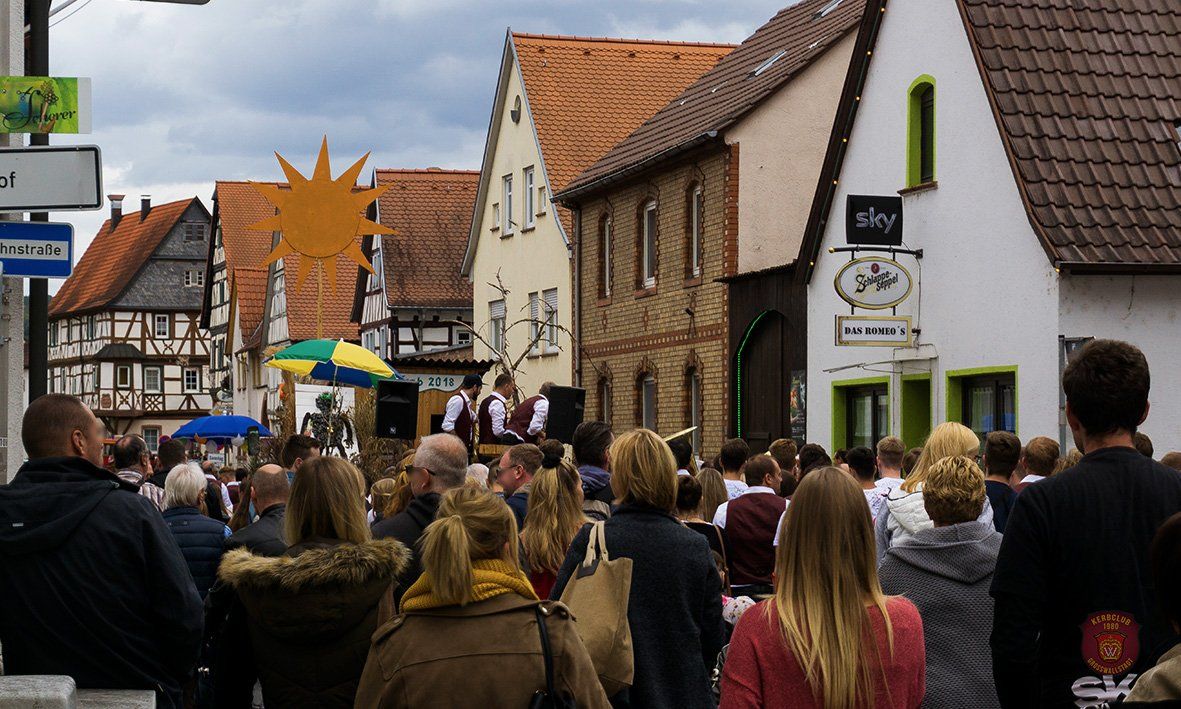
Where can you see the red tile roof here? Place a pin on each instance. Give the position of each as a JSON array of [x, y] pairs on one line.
[[1087, 97], [729, 90], [587, 94], [250, 285], [432, 212], [239, 206], [113, 258], [335, 308]]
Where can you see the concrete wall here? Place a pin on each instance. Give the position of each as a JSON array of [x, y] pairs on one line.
[[528, 261], [1143, 310], [985, 294], [783, 143]]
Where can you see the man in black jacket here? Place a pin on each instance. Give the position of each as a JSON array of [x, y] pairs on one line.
[[440, 463], [268, 491], [94, 586]]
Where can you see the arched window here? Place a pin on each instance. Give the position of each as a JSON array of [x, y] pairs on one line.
[[694, 230], [604, 390], [605, 256], [646, 400], [647, 257], [920, 132]]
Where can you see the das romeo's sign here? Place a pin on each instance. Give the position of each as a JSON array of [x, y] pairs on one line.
[[873, 282]]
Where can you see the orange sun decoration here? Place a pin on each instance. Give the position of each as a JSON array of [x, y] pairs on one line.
[[321, 217]]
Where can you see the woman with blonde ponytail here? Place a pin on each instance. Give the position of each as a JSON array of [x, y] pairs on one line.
[[472, 613], [828, 637], [554, 518]]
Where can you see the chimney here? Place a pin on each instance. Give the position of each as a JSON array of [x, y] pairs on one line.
[[145, 206], [116, 209]]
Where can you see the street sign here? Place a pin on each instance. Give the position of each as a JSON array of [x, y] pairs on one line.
[[57, 178], [36, 249]]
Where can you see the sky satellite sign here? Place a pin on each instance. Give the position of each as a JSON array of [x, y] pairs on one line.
[[56, 178]]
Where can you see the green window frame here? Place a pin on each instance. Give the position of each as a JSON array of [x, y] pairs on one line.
[[920, 131], [916, 408], [958, 379], [841, 391]]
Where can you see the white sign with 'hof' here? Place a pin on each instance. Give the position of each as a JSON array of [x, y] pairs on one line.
[[873, 282], [873, 331], [57, 178]]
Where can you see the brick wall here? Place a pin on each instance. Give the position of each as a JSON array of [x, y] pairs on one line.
[[635, 331]]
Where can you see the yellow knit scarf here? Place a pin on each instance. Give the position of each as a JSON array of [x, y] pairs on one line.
[[491, 578]]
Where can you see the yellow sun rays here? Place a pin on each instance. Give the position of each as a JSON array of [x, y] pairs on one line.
[[321, 217]]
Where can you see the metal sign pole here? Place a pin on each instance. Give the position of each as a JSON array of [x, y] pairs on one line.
[[12, 290], [38, 64]]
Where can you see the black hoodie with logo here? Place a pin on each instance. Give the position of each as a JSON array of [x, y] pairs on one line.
[[93, 583]]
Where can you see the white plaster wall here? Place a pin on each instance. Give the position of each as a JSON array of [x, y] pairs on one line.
[[781, 147], [1143, 310], [988, 294], [530, 261]]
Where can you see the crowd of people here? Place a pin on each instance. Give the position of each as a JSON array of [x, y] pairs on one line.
[[620, 570]]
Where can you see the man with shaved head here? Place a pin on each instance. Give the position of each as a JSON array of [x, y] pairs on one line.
[[268, 493], [93, 583]]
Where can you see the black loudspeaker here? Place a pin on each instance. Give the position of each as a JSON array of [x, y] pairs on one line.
[[397, 410], [565, 412]]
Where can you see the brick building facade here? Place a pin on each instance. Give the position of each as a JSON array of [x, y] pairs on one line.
[[656, 353]]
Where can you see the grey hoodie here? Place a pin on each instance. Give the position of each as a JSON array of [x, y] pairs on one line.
[[946, 573]]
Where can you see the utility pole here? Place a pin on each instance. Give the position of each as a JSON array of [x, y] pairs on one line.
[[38, 65], [12, 290]]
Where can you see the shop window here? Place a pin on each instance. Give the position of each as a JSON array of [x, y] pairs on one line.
[[920, 132], [861, 412], [984, 400]]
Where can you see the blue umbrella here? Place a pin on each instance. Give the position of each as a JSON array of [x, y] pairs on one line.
[[220, 427]]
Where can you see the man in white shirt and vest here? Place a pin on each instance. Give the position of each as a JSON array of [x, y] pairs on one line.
[[527, 421], [460, 416], [493, 416]]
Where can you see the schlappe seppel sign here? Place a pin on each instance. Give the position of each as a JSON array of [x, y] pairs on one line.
[[873, 282]]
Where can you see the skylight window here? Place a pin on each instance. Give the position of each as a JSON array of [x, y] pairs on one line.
[[767, 64], [826, 9]]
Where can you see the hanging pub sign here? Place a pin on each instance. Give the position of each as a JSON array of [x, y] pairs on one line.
[[873, 221], [873, 282], [873, 331]]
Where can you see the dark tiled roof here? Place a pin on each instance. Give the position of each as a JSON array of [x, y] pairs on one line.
[[432, 212], [730, 89], [1087, 97], [119, 351], [455, 357], [113, 258]]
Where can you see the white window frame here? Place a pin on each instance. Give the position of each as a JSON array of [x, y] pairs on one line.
[[606, 246], [534, 322], [373, 283], [506, 202], [151, 436], [549, 301], [184, 378], [648, 407], [648, 244], [542, 200], [696, 236], [123, 376], [528, 191], [161, 319], [194, 277], [496, 319], [159, 388], [463, 336]]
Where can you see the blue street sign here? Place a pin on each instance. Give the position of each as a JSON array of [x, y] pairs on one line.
[[37, 249]]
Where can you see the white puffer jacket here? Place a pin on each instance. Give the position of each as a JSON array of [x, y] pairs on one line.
[[904, 514]]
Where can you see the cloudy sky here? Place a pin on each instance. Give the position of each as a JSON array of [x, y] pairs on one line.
[[185, 95]]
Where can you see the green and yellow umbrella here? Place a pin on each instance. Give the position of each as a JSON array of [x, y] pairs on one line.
[[334, 361]]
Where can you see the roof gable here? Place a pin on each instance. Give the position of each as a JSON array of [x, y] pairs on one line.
[[583, 95], [113, 259], [239, 207], [776, 53], [250, 291]]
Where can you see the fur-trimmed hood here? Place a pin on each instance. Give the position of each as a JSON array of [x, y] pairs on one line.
[[318, 591], [316, 565]]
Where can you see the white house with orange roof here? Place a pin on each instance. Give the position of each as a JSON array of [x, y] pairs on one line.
[[560, 103]]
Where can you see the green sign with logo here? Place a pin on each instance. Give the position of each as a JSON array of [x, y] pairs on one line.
[[44, 104]]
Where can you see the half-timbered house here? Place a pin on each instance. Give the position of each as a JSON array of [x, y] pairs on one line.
[[417, 295], [124, 329]]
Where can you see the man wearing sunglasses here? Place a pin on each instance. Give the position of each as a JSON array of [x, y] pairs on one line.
[[440, 464]]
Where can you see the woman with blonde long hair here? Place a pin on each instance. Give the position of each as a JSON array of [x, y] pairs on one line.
[[904, 512], [829, 637], [311, 612], [553, 519], [674, 607], [473, 593], [713, 492]]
